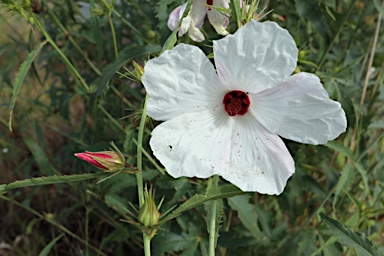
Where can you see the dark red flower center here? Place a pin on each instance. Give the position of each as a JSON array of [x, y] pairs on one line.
[[236, 103], [209, 2]]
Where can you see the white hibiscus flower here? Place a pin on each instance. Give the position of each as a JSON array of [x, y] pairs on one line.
[[228, 123], [195, 19]]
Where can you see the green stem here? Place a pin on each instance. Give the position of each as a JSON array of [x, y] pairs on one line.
[[66, 60], [212, 224], [111, 9], [147, 245], [139, 174], [77, 47], [113, 35], [146, 154]]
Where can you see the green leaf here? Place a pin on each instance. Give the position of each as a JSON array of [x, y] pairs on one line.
[[346, 179], [47, 181], [198, 199], [310, 10], [48, 248], [173, 242], [124, 56], [347, 152], [337, 146], [349, 238], [40, 157], [378, 7], [247, 214], [20, 78], [170, 42], [376, 125]]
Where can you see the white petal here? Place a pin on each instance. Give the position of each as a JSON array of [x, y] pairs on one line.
[[257, 57], [193, 144], [300, 109], [211, 142], [198, 12], [185, 24], [259, 159], [181, 80], [175, 17], [218, 19], [195, 33]]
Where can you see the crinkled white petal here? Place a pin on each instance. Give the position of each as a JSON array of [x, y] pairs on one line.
[[257, 57], [300, 109], [193, 144], [218, 19], [259, 160], [237, 148], [175, 17], [181, 80]]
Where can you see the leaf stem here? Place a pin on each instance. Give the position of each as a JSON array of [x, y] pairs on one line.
[[212, 224]]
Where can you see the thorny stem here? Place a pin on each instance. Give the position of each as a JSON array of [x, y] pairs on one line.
[[212, 224]]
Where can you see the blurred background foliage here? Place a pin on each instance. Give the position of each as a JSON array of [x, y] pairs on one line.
[[55, 116]]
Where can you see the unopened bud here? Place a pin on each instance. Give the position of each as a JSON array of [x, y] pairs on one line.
[[149, 215], [109, 161], [139, 70]]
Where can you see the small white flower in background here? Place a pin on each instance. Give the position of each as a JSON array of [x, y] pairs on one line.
[[5, 150], [228, 123], [195, 19]]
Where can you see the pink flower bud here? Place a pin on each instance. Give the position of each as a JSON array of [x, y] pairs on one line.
[[109, 161]]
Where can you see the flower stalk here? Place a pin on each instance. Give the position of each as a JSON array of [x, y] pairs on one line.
[[212, 224]]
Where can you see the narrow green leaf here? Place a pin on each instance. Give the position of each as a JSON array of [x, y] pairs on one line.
[[347, 152], [124, 56], [247, 214], [310, 10], [40, 157], [20, 78], [378, 7], [47, 181], [198, 199], [376, 125], [337, 146], [349, 238], [48, 248], [345, 180], [170, 42]]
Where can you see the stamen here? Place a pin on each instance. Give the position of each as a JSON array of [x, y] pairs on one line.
[[236, 103]]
